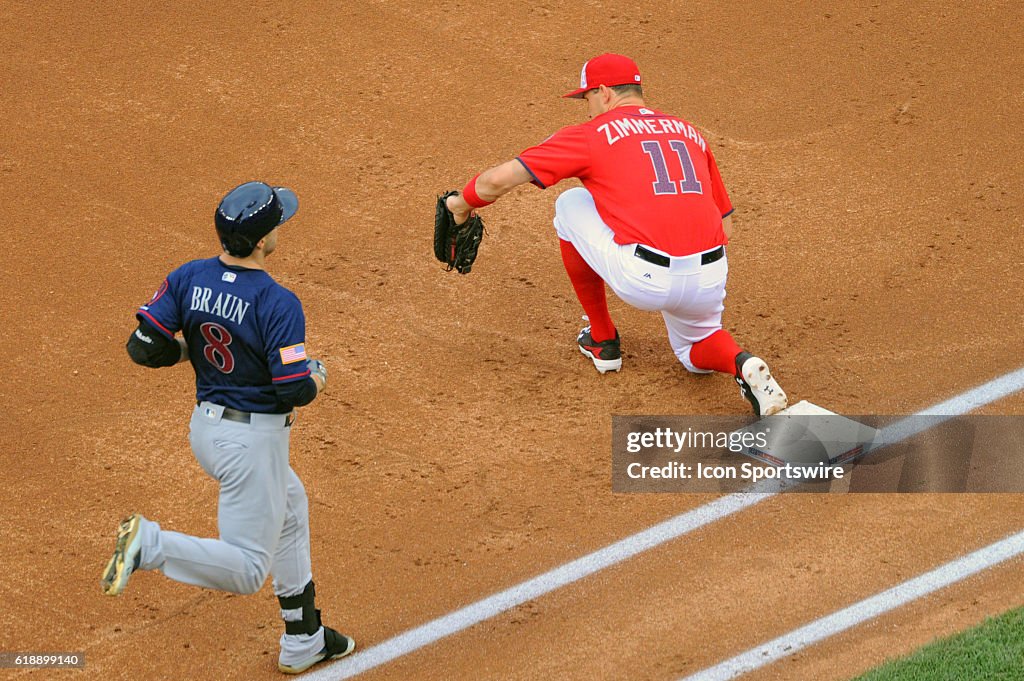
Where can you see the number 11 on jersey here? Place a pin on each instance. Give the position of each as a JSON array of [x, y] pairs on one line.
[[662, 183]]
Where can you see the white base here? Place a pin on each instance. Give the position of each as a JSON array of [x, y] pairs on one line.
[[806, 433]]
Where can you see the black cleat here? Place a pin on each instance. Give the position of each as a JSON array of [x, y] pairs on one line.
[[606, 355], [757, 385], [335, 646]]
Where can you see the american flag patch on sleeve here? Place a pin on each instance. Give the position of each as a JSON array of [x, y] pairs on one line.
[[293, 353]]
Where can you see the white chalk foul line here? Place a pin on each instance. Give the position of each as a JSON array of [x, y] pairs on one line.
[[987, 393], [503, 601], [869, 608], [673, 528]]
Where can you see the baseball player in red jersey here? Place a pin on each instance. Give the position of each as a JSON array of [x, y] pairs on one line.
[[651, 221]]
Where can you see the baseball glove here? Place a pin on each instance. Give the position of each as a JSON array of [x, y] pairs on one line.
[[456, 245]]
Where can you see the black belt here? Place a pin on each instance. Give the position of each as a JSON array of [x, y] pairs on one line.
[[235, 415], [246, 417], [664, 261]]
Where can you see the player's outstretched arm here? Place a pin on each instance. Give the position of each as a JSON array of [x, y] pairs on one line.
[[488, 186]]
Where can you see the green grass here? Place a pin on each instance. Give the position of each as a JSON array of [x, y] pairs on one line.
[[992, 651]]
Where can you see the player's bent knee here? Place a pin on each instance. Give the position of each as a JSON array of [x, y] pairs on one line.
[[254, 578], [683, 355], [572, 199], [251, 583], [568, 210]]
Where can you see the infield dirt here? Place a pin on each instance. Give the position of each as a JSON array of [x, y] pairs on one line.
[[873, 156]]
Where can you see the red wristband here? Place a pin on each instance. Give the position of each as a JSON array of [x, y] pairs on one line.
[[470, 196]]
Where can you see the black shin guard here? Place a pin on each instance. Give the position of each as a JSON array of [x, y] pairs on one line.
[[310, 622]]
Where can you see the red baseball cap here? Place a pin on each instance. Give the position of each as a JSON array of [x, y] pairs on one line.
[[607, 69]]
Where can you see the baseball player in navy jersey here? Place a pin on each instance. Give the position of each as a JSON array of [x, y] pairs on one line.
[[245, 336], [652, 221]]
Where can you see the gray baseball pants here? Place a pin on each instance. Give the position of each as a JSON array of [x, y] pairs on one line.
[[262, 517]]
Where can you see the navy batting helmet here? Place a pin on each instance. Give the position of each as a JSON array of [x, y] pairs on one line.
[[251, 211]]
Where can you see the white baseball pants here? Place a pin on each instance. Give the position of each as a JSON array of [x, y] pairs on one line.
[[690, 296]]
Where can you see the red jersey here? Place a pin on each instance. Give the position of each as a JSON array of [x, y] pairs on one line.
[[652, 176]]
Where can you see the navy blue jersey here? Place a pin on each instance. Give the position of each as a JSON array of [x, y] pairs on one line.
[[245, 332]]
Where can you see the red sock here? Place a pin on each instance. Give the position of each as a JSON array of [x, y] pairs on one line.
[[717, 352], [589, 287]]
